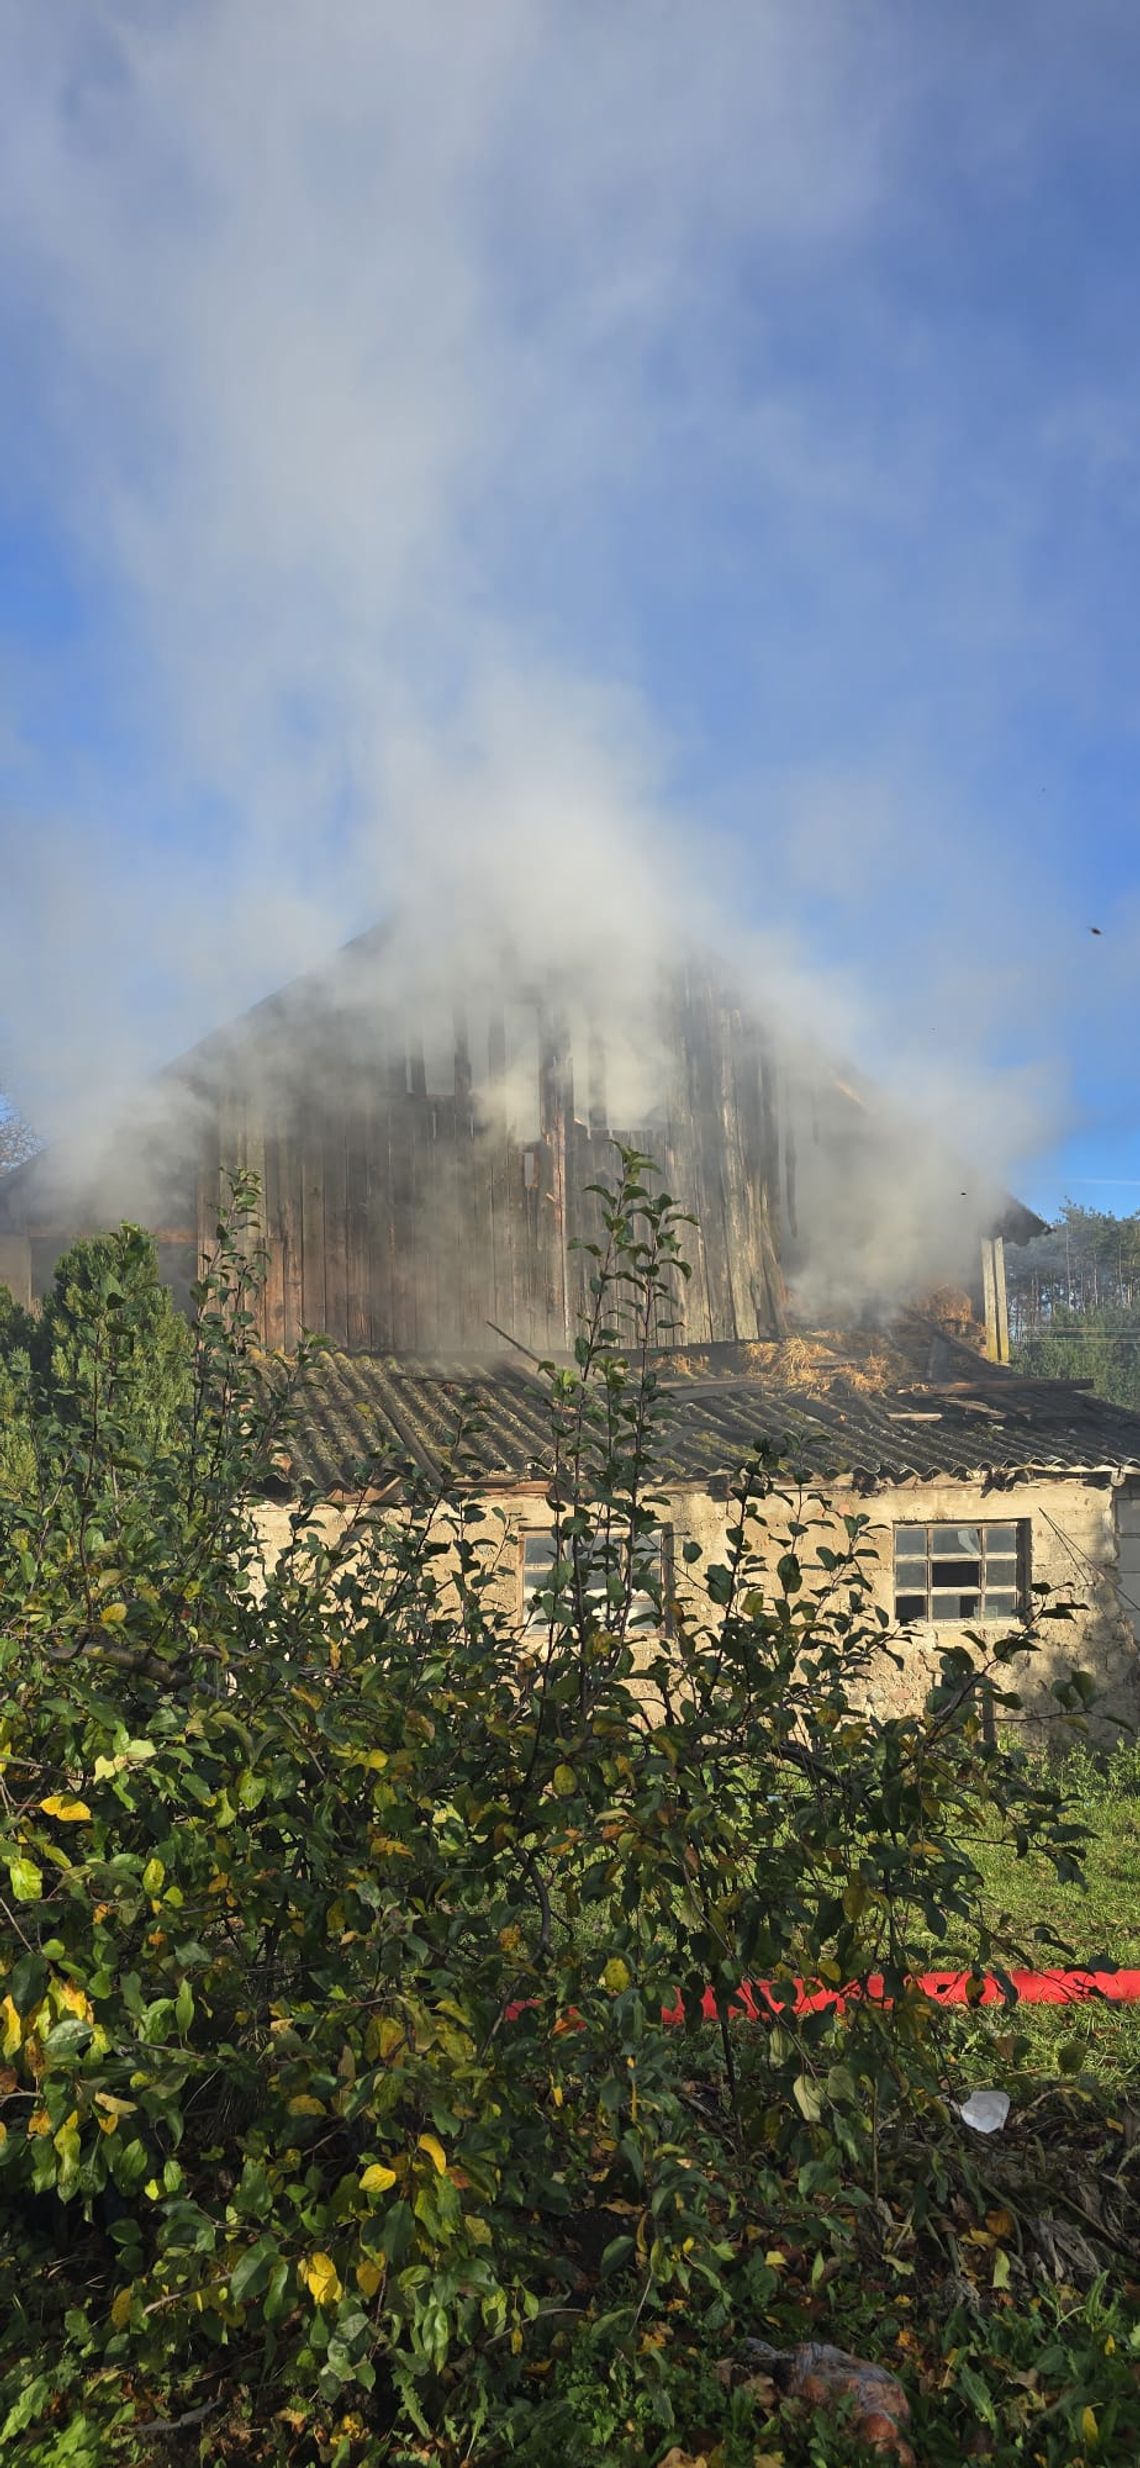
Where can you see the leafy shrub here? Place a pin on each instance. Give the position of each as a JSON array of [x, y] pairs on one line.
[[340, 1913], [96, 1380]]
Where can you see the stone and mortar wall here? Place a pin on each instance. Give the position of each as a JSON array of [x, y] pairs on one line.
[[1085, 1544]]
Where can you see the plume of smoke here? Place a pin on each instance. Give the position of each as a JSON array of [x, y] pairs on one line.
[[322, 333]]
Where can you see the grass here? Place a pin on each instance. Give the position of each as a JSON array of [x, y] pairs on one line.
[[1097, 1922], [1102, 1917]]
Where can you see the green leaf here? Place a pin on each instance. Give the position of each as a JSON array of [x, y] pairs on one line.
[[808, 2098], [251, 2274], [27, 1880]]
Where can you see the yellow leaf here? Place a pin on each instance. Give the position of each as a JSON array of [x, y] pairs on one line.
[[435, 2152], [368, 2276], [121, 2309], [1001, 2268], [321, 2279], [13, 2027], [115, 2108], [68, 1812], [306, 2106], [377, 2179], [615, 1977], [565, 1781], [376, 1760], [39, 2122], [113, 1615], [73, 2000], [1089, 2427]]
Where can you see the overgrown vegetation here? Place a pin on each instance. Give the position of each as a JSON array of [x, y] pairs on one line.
[[94, 1383], [339, 2119]]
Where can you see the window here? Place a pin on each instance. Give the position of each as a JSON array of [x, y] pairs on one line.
[[961, 1572], [538, 1561]]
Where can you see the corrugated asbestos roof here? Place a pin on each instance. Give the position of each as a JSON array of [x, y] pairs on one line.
[[989, 1425]]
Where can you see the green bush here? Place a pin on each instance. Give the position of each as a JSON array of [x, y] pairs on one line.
[[339, 1914], [96, 1380]]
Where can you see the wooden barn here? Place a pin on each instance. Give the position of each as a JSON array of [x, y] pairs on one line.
[[426, 1166]]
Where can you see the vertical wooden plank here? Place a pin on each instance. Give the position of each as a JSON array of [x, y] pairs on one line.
[[357, 1149], [708, 1199], [207, 1185], [598, 1115], [16, 1267], [1001, 1299], [290, 1202], [378, 1132], [686, 1173], [555, 1104], [989, 1300], [311, 1129], [253, 1162], [438, 1231], [335, 1177], [465, 1205], [273, 1300], [404, 1113]]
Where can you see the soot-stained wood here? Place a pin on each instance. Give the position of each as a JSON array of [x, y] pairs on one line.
[[404, 1212]]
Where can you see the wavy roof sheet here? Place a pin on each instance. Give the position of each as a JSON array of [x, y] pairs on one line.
[[989, 1426]]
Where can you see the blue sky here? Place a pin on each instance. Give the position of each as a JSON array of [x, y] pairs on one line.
[[684, 457]]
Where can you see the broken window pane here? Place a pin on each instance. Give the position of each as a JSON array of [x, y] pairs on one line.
[[910, 1607], [956, 1572], [956, 1541]]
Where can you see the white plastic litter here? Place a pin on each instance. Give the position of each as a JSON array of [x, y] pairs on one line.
[[986, 2111]]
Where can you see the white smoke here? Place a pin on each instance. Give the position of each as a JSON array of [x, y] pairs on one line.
[[338, 339]]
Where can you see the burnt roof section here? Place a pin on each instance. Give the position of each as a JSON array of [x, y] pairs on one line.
[[971, 1422]]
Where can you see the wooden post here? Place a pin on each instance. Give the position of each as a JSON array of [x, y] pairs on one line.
[[557, 1102], [1001, 1300], [995, 1299]]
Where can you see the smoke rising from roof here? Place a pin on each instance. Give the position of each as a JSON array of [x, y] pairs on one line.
[[334, 333]]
